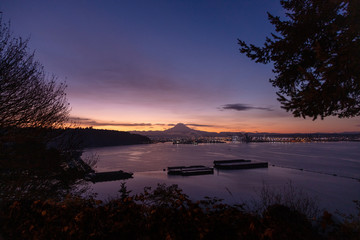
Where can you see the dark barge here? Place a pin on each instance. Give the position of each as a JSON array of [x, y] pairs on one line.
[[190, 170], [239, 164], [108, 176]]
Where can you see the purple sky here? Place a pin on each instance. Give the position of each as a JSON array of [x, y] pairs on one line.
[[144, 65]]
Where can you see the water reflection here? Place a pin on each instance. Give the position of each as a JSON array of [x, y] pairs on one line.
[[301, 163], [340, 158], [238, 186]]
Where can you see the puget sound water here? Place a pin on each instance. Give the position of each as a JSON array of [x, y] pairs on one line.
[[327, 171]]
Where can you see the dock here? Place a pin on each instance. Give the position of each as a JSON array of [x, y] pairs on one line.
[[190, 170], [108, 176], [239, 164]]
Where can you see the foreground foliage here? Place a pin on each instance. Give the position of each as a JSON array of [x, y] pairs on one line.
[[162, 213]]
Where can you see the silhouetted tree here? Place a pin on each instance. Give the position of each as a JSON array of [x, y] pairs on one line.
[[28, 97], [33, 110], [316, 57]]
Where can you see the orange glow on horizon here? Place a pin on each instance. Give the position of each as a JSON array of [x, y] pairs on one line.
[[286, 127]]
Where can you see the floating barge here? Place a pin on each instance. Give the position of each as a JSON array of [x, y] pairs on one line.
[[190, 170], [108, 176], [239, 164]]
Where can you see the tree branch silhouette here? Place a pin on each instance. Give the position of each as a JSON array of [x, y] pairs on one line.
[[28, 97], [316, 57]]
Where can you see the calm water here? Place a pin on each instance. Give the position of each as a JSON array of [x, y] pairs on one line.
[[328, 171]]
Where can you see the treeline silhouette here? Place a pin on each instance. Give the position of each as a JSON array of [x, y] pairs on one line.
[[89, 137]]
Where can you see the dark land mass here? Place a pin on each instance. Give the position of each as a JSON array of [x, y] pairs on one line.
[[89, 137], [102, 138], [46, 163]]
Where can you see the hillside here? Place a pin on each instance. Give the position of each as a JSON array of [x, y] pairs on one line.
[[88, 137]]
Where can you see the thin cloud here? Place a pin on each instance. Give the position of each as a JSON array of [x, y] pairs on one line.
[[77, 119], [160, 124], [243, 107], [91, 122], [198, 125], [192, 125]]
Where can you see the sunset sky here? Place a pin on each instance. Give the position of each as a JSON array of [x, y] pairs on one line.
[[146, 65]]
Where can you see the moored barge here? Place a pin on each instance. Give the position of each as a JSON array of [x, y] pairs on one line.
[[239, 164], [190, 170]]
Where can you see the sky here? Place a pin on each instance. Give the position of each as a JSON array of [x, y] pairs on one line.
[[147, 65]]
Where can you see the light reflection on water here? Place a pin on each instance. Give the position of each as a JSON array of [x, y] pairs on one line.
[[340, 158], [320, 162]]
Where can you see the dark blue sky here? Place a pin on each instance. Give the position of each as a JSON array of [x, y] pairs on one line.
[[147, 64]]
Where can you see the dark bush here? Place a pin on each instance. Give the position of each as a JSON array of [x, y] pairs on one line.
[[162, 213]]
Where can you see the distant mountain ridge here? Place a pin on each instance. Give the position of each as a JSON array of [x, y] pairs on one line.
[[180, 130]]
